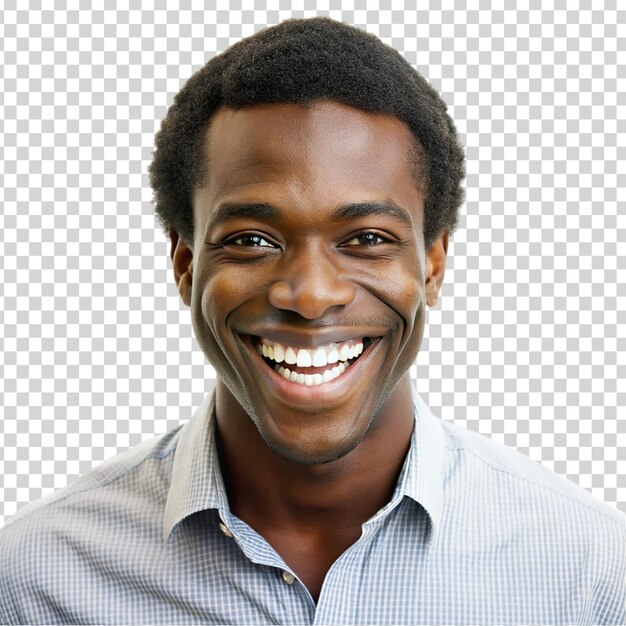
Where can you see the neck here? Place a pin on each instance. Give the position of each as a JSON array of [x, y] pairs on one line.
[[267, 490]]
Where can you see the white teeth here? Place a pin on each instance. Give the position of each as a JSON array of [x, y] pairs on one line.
[[332, 356], [355, 350], [322, 356], [279, 353], [311, 380], [290, 356], [319, 358], [304, 358]]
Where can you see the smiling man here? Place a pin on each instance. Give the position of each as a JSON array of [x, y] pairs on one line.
[[309, 179]]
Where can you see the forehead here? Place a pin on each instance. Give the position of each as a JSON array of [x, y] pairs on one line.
[[315, 156]]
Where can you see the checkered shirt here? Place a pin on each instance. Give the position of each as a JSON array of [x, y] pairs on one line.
[[474, 533]]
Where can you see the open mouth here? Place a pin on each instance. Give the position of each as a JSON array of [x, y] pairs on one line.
[[315, 366]]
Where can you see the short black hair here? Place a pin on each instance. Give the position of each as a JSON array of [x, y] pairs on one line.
[[301, 61]]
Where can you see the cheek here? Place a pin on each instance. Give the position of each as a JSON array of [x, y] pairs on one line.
[[402, 290], [212, 301], [411, 343], [220, 294], [414, 331], [406, 295], [223, 296], [216, 301], [413, 296]]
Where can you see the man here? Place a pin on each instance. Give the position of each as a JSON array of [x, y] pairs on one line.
[[309, 181]]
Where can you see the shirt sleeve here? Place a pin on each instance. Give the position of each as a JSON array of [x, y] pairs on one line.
[[607, 601], [7, 610]]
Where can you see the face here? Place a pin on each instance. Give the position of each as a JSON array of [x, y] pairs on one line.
[[309, 278]]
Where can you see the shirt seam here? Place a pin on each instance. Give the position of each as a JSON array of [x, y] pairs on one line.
[[91, 488], [528, 481]]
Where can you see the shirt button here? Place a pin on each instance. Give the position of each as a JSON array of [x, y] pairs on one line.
[[225, 530], [289, 578]]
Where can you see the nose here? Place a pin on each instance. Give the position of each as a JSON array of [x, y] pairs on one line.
[[311, 287]]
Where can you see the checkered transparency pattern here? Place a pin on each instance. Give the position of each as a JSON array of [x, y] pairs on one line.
[[527, 344]]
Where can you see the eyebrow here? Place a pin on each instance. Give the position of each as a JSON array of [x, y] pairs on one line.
[[365, 209], [345, 212], [232, 211]]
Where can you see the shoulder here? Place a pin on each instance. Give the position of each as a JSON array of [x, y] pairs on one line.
[[43, 537], [122, 470], [552, 530], [497, 465]]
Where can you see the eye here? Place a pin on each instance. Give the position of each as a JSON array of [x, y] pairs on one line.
[[366, 239], [251, 240]]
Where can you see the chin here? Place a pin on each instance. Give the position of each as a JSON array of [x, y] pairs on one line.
[[315, 438], [318, 454]]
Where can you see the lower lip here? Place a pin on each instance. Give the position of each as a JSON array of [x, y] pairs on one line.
[[323, 394]]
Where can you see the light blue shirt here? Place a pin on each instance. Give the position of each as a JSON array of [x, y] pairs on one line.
[[475, 533]]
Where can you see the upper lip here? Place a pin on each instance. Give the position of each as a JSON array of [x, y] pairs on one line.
[[316, 337]]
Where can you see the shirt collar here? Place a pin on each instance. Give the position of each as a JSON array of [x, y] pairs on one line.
[[421, 478], [197, 483]]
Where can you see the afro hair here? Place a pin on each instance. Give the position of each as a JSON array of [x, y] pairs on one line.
[[301, 61]]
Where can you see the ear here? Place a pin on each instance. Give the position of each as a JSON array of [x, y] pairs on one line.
[[435, 268], [182, 262]]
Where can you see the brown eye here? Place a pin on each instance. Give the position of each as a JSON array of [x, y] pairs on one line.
[[366, 239], [251, 241]]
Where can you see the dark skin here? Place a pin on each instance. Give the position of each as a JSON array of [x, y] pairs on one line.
[[308, 232]]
